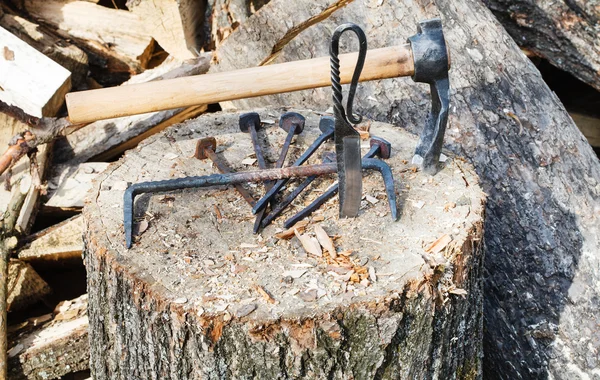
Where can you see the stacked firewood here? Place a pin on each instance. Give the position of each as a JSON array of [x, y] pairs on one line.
[[51, 47]]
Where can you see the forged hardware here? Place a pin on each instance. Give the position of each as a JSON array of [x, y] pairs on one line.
[[231, 179], [432, 63], [326, 125], [379, 148], [279, 207], [205, 148], [293, 124], [250, 123], [347, 139]]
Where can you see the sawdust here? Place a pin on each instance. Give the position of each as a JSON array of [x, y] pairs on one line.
[[199, 244]]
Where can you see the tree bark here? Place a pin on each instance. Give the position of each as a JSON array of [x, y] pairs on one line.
[[210, 300], [543, 179], [563, 32]]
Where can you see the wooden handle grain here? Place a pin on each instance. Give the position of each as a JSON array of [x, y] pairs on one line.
[[88, 106]]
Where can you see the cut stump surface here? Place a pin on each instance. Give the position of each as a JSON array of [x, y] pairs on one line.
[[200, 296]]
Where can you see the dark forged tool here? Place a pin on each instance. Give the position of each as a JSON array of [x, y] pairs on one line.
[[205, 148], [232, 179], [347, 139], [432, 63], [326, 125], [379, 148], [293, 124], [281, 206]]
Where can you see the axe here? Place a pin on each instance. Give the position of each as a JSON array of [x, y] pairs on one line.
[[425, 58]]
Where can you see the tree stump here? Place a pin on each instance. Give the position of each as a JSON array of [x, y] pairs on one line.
[[542, 229], [200, 296]]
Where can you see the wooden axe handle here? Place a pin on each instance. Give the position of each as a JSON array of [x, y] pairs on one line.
[[88, 106]]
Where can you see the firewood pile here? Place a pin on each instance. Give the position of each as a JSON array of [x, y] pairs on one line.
[[51, 47]]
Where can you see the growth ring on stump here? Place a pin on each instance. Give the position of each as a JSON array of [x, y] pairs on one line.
[[200, 297]]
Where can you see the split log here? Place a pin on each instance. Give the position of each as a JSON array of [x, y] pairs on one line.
[[20, 203], [67, 185], [25, 286], [177, 25], [224, 16], [205, 298], [563, 32], [115, 35], [588, 125], [542, 177], [57, 49], [51, 350], [107, 139], [30, 80], [56, 245]]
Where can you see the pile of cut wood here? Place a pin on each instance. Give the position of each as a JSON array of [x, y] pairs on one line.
[[51, 47]]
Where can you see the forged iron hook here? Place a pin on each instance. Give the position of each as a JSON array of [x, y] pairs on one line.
[[334, 51]]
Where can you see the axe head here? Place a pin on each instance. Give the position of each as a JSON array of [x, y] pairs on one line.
[[432, 63]]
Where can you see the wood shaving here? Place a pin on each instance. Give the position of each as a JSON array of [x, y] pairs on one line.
[[264, 294], [310, 244], [248, 161], [439, 244], [325, 241], [289, 233]]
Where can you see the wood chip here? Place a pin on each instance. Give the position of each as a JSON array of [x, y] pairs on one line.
[[310, 244], [142, 227], [294, 273], [371, 200], [302, 265], [264, 294], [248, 161], [245, 310], [246, 245], [372, 275], [449, 206], [418, 204], [325, 241], [171, 156], [180, 300], [439, 244], [309, 295], [289, 233]]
